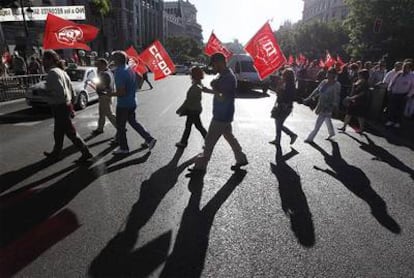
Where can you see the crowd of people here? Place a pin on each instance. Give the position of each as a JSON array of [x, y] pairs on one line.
[[347, 87]]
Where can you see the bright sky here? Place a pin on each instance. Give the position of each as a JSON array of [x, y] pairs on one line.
[[241, 19]]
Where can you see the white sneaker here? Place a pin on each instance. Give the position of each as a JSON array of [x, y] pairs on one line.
[[152, 144], [389, 123], [397, 125], [120, 151]]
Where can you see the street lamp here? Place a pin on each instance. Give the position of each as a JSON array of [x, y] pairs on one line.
[[26, 29]]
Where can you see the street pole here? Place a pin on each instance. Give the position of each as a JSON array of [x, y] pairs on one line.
[[26, 30]]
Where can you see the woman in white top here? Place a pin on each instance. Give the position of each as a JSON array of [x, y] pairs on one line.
[[328, 93]]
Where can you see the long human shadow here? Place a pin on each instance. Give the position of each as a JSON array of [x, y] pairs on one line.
[[119, 258], [10, 179], [189, 252], [25, 115], [393, 136], [22, 215], [381, 154], [355, 180], [294, 202]]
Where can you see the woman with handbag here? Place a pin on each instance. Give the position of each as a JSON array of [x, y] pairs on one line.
[[357, 103], [328, 93], [283, 106], [192, 107]]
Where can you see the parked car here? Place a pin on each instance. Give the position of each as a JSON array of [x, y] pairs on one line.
[[246, 75], [181, 69], [83, 82]]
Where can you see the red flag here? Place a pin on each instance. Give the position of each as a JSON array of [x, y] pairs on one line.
[[61, 33], [135, 62], [302, 59], [290, 60], [321, 63], [214, 45], [265, 51], [158, 60], [329, 61]]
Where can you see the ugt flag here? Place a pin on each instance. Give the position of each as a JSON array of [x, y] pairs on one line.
[[135, 62], [266, 53], [329, 60], [158, 60], [214, 45], [61, 33]]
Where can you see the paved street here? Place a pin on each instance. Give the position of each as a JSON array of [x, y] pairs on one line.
[[342, 208]]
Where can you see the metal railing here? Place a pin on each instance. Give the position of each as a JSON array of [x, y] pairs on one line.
[[14, 87]]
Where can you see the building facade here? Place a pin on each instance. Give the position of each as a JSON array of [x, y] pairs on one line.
[[324, 10], [181, 20]]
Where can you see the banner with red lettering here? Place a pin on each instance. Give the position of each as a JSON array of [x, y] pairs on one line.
[[135, 62], [214, 45], [61, 33], [158, 60], [265, 51]]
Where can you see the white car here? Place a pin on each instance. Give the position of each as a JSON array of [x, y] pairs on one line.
[[246, 75], [83, 82]]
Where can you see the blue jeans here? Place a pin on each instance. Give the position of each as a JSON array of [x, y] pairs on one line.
[[124, 115]]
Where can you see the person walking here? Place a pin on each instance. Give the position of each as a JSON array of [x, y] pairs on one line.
[[126, 86], [105, 87], [145, 78], [59, 88], [19, 64], [192, 107], [399, 89], [328, 93], [357, 103], [284, 105], [224, 90]]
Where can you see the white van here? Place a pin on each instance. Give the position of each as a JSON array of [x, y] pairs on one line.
[[246, 75]]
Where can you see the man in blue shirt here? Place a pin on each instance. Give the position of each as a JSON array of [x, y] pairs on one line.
[[126, 85], [224, 90]]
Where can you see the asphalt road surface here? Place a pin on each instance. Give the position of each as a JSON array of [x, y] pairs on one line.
[[341, 208]]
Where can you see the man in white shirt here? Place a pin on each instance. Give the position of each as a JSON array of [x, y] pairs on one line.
[[401, 86], [391, 74]]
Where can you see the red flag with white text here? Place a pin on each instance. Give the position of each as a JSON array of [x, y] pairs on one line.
[[214, 45], [158, 60], [265, 51], [135, 62], [61, 33]]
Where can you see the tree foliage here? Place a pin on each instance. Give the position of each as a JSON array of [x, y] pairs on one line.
[[394, 37], [101, 7], [312, 39], [183, 49]]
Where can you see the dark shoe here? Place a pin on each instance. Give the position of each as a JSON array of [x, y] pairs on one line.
[[52, 155], [97, 132], [181, 145], [274, 142], [342, 128], [237, 166], [85, 157], [293, 139]]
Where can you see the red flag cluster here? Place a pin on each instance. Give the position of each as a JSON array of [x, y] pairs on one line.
[[263, 48], [61, 33]]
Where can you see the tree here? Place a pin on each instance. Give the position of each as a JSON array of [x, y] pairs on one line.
[[183, 49], [380, 27], [101, 8], [312, 39]]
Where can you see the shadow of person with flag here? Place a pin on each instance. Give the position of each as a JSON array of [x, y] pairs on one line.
[[355, 180], [294, 202]]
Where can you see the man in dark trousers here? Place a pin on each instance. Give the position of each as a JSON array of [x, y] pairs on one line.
[[224, 90], [60, 91], [126, 86]]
